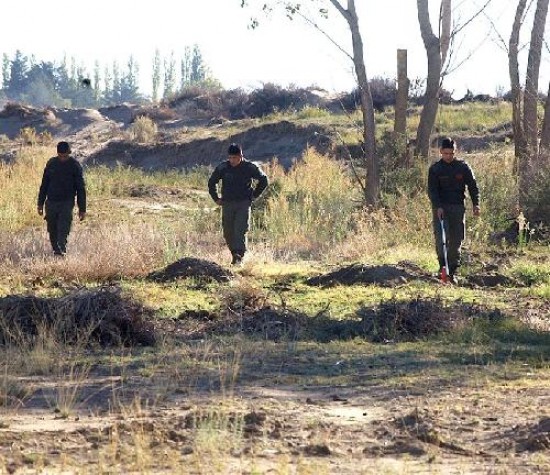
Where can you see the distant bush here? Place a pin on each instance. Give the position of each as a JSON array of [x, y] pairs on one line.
[[28, 136], [143, 130], [239, 104]]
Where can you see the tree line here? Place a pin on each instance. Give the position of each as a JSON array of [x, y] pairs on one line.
[[70, 84]]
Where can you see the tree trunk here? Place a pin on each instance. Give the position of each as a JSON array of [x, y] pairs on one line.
[[372, 190], [520, 142], [431, 97], [530, 121], [545, 134], [445, 35], [402, 97]]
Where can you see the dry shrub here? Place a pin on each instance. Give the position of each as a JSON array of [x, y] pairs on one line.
[[100, 315], [28, 136], [95, 252], [419, 318], [143, 130]]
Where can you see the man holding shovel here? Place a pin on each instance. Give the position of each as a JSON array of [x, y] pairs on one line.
[[447, 182]]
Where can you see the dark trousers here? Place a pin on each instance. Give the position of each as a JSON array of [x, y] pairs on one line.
[[455, 231], [59, 217], [235, 222]]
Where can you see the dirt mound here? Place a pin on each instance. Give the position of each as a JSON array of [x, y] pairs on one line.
[[123, 114], [284, 140], [99, 315], [383, 275], [492, 280], [190, 267], [58, 122]]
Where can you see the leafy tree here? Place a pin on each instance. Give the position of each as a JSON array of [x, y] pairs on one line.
[[157, 65], [6, 65], [169, 76]]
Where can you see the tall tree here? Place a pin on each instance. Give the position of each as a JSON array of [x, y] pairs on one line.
[[349, 13], [436, 50], [97, 82], [129, 90], [18, 74], [169, 76], [157, 75], [520, 141], [198, 69], [530, 120], [6, 65], [185, 68]]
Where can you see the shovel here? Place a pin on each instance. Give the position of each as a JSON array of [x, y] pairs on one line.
[[445, 270]]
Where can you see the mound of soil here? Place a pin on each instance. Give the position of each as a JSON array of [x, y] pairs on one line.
[[190, 267], [492, 280], [58, 122], [284, 140], [99, 315], [383, 275]]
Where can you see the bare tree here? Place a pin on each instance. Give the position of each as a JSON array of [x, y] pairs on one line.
[[525, 114], [545, 133], [349, 13], [530, 121], [435, 53], [439, 50], [520, 141]]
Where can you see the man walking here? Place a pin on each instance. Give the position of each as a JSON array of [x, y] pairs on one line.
[[447, 182], [237, 193], [61, 183]]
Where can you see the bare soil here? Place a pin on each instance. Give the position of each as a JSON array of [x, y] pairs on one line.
[[382, 275], [191, 267]]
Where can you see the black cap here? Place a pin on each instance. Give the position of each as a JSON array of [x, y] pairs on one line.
[[235, 149], [447, 142], [63, 147]]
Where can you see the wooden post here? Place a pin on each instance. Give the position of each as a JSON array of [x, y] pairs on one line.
[[401, 103], [402, 98]]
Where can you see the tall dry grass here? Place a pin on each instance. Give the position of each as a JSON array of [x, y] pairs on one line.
[[314, 211]]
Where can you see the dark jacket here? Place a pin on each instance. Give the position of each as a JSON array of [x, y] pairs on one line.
[[237, 181], [447, 183], [62, 181]]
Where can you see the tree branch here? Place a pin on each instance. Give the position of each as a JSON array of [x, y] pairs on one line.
[[341, 9], [324, 33], [471, 19]]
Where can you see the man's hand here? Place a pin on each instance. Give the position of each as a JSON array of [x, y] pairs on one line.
[[477, 211], [40, 210], [440, 213], [81, 215], [219, 202]]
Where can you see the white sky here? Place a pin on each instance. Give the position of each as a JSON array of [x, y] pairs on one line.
[[279, 51]]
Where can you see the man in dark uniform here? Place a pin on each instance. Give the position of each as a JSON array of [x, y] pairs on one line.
[[61, 183], [237, 194], [447, 182]]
